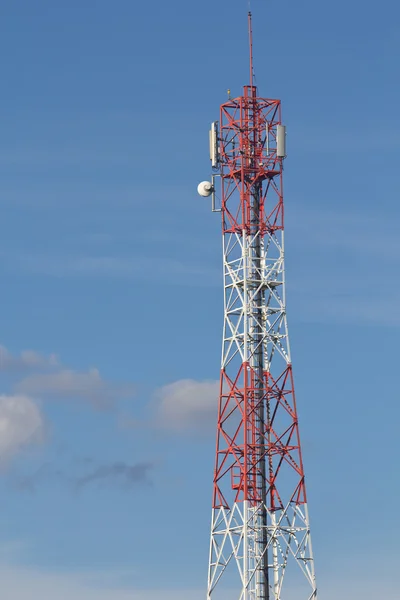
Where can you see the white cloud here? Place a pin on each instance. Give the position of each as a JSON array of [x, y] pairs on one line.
[[187, 404], [27, 359], [88, 386], [21, 424]]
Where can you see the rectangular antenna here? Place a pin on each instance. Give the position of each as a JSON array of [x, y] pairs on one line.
[[281, 141], [214, 144]]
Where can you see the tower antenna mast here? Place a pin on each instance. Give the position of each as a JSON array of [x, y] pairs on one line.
[[260, 543], [251, 47]]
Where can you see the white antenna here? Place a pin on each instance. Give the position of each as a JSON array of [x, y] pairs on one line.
[[205, 189], [281, 141], [214, 144]]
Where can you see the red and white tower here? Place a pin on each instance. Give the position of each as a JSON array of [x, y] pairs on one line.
[[260, 535]]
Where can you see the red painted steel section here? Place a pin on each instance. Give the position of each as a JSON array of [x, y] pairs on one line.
[[245, 162]]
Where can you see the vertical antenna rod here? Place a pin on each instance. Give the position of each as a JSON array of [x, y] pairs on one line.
[[251, 47]]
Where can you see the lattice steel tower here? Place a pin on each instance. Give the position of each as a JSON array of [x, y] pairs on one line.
[[260, 536]]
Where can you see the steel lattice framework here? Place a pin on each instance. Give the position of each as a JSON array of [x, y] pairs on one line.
[[260, 530]]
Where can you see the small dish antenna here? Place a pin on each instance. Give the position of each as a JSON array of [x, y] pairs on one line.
[[205, 189]]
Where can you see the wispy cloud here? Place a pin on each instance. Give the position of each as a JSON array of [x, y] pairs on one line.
[[346, 141], [117, 474], [27, 359], [21, 425], [37, 156], [169, 270], [114, 475], [30, 583], [44, 378], [86, 386], [345, 268], [46, 473], [368, 235]]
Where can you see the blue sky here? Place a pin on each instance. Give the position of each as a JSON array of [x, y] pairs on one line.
[[110, 266]]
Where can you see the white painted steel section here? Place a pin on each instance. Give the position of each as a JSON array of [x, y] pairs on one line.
[[242, 285], [232, 540]]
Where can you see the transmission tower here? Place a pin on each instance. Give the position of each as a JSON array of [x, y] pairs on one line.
[[260, 535]]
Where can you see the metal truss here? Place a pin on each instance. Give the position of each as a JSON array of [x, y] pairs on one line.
[[260, 536], [235, 537]]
